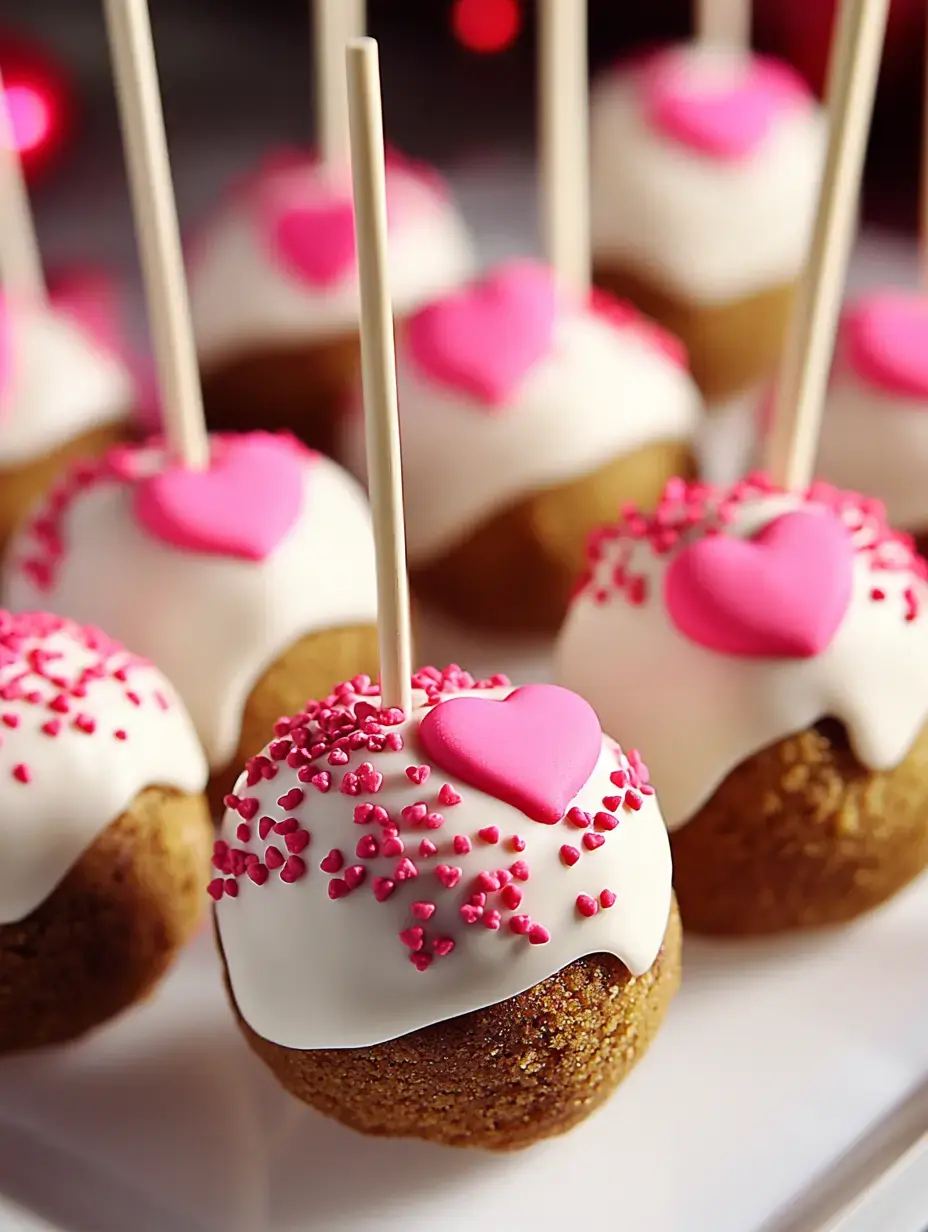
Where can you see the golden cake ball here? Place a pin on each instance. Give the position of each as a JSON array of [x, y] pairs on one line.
[[274, 287], [105, 834], [705, 170], [528, 417], [454, 924], [770, 651], [251, 584], [64, 394]]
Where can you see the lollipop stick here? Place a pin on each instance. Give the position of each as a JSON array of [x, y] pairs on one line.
[[145, 145], [335, 23], [725, 23], [563, 105], [923, 205], [378, 370], [800, 394], [20, 263]]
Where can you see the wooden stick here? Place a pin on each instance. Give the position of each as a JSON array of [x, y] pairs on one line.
[[724, 23], [803, 381], [145, 145], [563, 108], [335, 23], [923, 204], [20, 263], [378, 370]]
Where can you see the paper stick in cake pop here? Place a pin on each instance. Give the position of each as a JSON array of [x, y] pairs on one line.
[[335, 23], [378, 370], [563, 110], [133, 57], [723, 23], [803, 381], [20, 263]]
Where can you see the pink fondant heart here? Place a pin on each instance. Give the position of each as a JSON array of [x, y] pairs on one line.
[[316, 241], [885, 340], [485, 339], [726, 122], [242, 506], [535, 749], [780, 595]]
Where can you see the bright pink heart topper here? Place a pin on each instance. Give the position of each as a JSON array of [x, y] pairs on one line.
[[885, 340], [535, 749], [779, 595], [485, 339], [726, 121], [315, 242], [243, 506]]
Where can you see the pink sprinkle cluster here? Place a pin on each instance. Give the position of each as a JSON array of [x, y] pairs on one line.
[[689, 509], [34, 673], [417, 847]]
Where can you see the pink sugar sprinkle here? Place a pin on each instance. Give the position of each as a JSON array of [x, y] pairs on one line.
[[216, 889], [539, 935], [52, 727], [383, 887], [297, 841], [379, 816], [367, 847], [362, 813], [412, 938], [427, 848], [291, 800], [520, 925], [354, 876], [418, 774], [587, 906], [394, 742], [461, 845], [488, 882], [434, 821], [489, 834], [516, 843], [121, 734], [442, 946], [503, 876], [230, 886], [11, 720], [273, 857], [86, 724], [243, 832], [322, 781], [492, 920], [607, 899], [414, 814], [247, 808], [333, 861], [423, 911], [619, 778], [591, 841], [520, 870], [338, 888], [877, 594], [405, 870], [448, 876], [447, 796], [293, 870], [22, 773], [469, 913], [257, 872], [278, 750], [479, 899], [61, 705], [632, 801], [265, 826], [511, 897], [579, 818], [393, 847], [420, 960], [612, 803], [338, 757], [569, 855], [287, 826]]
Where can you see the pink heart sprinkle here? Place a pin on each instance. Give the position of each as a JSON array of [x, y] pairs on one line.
[[383, 888], [885, 339], [291, 800], [485, 339], [412, 938], [273, 858], [242, 506], [332, 862], [535, 749], [314, 241], [448, 876], [726, 121], [781, 594]]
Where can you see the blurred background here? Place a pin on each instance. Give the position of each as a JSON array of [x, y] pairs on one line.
[[458, 81]]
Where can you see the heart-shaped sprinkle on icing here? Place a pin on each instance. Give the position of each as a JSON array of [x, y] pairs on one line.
[[535, 749], [722, 108], [779, 595], [486, 338], [315, 242], [885, 340], [242, 506]]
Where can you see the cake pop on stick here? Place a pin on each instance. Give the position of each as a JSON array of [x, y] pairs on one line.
[[63, 395], [461, 866], [243, 566], [705, 165], [767, 645], [530, 409], [274, 274], [875, 428]]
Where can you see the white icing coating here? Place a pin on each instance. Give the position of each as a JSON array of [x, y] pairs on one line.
[[602, 392], [876, 441], [698, 713], [59, 385], [211, 623], [243, 298], [701, 228], [79, 781], [308, 972]]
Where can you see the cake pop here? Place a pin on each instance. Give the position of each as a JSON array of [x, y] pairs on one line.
[[769, 651], [528, 416], [481, 893], [705, 164], [251, 584], [105, 835]]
